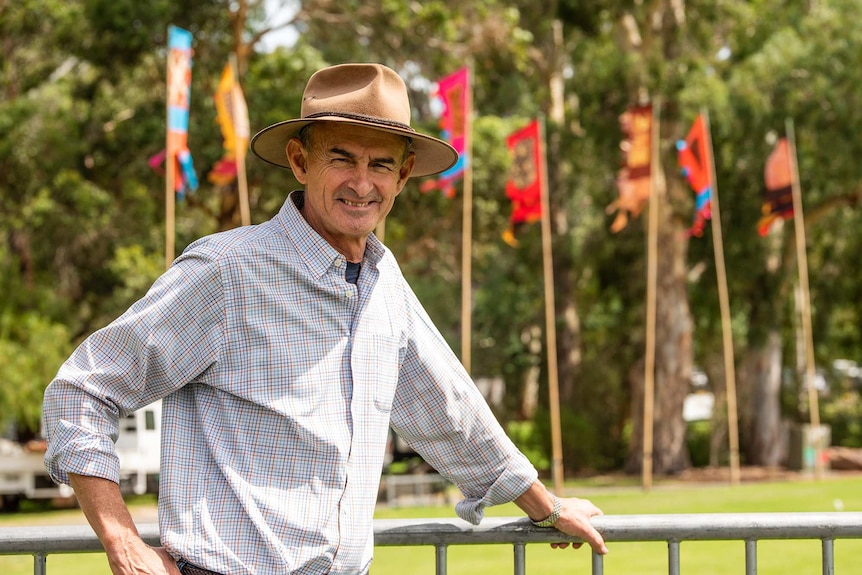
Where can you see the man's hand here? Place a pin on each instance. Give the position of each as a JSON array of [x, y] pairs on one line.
[[138, 558], [538, 503], [575, 520], [128, 554]]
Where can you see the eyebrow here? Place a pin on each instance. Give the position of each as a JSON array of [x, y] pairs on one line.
[[382, 160]]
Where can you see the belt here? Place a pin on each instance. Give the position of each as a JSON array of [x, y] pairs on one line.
[[187, 568]]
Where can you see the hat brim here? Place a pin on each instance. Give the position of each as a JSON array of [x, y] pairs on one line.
[[432, 155]]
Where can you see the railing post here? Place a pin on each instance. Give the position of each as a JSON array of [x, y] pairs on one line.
[[598, 564], [751, 557], [520, 559], [440, 558], [40, 564], [673, 557], [828, 557]]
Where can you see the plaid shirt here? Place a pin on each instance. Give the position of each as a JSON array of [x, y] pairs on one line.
[[280, 380]]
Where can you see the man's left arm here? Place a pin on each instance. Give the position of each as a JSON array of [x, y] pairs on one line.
[[570, 515]]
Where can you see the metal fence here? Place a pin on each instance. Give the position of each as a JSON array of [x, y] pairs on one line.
[[518, 532]]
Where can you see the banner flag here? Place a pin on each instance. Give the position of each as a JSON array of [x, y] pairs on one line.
[[453, 93], [634, 180], [524, 183], [232, 117], [179, 89], [778, 199], [694, 158]]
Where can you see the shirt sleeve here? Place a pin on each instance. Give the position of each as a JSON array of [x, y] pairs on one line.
[[165, 340], [440, 413]]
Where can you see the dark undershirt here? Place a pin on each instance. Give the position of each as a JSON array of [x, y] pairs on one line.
[[351, 274]]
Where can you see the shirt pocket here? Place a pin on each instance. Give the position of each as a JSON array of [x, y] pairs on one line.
[[376, 363]]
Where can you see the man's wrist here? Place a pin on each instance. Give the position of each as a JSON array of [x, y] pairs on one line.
[[553, 517]]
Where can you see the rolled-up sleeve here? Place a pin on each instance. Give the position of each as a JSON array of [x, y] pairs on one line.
[[164, 341], [440, 413]]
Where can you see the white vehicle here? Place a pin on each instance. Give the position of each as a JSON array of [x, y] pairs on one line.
[[22, 467]]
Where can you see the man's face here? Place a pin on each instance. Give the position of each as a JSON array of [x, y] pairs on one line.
[[351, 176]]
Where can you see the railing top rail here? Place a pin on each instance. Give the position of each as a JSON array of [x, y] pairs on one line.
[[508, 530], [666, 527]]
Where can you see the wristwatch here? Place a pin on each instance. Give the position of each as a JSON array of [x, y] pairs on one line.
[[553, 517]]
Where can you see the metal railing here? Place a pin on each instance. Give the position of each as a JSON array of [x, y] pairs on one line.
[[518, 532]]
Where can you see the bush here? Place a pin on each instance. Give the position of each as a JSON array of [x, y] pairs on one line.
[[843, 413], [697, 440]]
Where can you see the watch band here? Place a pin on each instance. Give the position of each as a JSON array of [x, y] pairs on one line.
[[553, 517]]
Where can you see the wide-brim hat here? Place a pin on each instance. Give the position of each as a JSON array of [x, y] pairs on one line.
[[369, 95]]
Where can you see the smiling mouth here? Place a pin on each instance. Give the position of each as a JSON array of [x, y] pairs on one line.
[[356, 204]]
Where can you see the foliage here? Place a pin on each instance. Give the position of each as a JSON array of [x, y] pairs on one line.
[[531, 443], [843, 414], [31, 349]]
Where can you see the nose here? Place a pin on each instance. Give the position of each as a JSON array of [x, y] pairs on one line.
[[360, 181]]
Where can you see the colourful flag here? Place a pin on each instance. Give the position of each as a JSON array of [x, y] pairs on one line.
[[232, 116], [634, 180], [179, 88], [524, 184], [696, 162], [453, 93], [778, 175]]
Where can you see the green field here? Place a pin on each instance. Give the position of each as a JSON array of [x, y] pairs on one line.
[[698, 558]]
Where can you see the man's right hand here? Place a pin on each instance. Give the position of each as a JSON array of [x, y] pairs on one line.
[[102, 503], [138, 558]]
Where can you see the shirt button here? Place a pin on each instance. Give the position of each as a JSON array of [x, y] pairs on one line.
[[348, 293], [338, 262]]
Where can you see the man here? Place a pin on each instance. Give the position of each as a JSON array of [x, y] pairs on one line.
[[283, 352]]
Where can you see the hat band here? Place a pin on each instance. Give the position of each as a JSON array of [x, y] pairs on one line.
[[362, 118]]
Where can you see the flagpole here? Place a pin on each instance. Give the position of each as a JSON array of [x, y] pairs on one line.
[[242, 184], [170, 208], [652, 279], [805, 299], [170, 173], [467, 232], [724, 304], [550, 318]]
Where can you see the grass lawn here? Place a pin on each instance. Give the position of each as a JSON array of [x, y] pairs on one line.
[[697, 558]]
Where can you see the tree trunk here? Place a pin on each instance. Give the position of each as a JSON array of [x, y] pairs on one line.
[[719, 450], [568, 323], [760, 406], [673, 348]]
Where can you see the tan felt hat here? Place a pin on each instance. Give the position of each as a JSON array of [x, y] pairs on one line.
[[370, 95]]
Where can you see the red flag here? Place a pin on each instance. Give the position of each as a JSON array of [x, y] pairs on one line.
[[778, 175], [634, 180], [696, 163], [524, 184], [453, 92]]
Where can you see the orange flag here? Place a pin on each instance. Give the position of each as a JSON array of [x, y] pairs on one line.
[[694, 159], [634, 180], [232, 116], [778, 176]]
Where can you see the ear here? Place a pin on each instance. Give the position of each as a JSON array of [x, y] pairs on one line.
[[405, 171], [298, 161]]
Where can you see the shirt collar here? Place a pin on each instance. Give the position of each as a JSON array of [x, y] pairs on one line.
[[317, 253]]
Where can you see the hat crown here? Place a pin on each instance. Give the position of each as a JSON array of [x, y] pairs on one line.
[[371, 92], [368, 95]]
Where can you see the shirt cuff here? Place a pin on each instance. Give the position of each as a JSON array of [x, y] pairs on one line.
[[508, 487], [81, 453]]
